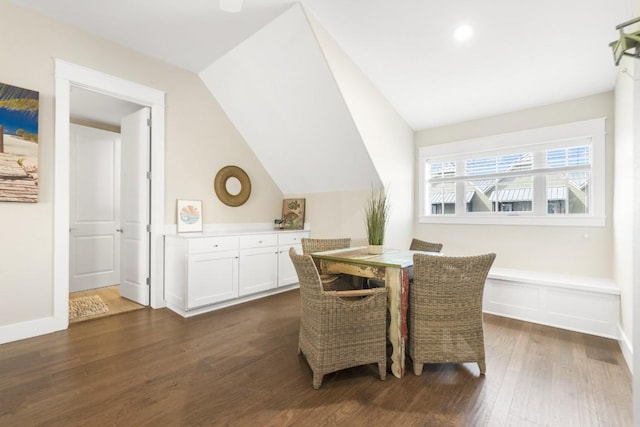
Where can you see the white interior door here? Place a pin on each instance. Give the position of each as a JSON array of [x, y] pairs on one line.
[[94, 244], [135, 188]]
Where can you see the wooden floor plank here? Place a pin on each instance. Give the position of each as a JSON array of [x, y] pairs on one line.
[[239, 366], [567, 396]]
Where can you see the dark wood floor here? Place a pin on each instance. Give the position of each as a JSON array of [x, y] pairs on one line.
[[239, 367]]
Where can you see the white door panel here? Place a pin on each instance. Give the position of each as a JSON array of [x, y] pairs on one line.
[[94, 208], [94, 254], [135, 206]]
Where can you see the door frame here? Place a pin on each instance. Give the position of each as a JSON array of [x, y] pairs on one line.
[[66, 76]]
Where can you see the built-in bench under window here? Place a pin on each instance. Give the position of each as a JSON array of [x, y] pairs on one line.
[[582, 304]]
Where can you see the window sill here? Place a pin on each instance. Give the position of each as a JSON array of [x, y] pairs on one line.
[[564, 221]]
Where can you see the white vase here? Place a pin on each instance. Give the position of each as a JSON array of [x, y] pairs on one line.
[[375, 249]]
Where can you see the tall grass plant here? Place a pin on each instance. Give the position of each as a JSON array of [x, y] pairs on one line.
[[377, 215]]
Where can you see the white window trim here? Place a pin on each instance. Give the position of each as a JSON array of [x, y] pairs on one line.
[[553, 136]]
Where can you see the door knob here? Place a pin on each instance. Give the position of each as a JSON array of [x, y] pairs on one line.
[[119, 230]]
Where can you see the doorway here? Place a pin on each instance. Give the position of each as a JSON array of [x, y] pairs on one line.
[[98, 190], [70, 76]]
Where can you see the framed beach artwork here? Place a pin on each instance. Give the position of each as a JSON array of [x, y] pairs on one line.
[[18, 144], [293, 214], [189, 216]]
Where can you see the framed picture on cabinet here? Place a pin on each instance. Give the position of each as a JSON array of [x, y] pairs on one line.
[[293, 214], [189, 216]]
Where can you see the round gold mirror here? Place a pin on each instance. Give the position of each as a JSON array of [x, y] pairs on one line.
[[232, 186]]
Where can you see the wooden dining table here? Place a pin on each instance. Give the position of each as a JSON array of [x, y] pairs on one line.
[[393, 266]]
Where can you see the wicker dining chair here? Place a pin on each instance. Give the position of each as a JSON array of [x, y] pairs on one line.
[[330, 282], [338, 330], [445, 310], [421, 245]]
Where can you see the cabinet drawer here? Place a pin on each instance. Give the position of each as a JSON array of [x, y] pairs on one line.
[[258, 240], [213, 244], [290, 239]]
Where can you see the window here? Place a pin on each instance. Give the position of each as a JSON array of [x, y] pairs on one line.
[[547, 176]]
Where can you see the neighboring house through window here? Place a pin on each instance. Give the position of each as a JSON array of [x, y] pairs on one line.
[[550, 176]]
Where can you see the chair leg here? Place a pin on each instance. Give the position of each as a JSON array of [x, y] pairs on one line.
[[382, 368], [483, 367], [317, 380], [417, 368]]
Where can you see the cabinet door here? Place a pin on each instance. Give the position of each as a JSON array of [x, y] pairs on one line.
[[286, 271], [258, 270], [213, 277]]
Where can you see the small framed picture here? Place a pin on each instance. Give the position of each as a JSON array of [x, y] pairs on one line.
[[293, 214], [189, 216]]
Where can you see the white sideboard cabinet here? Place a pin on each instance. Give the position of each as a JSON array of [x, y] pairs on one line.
[[204, 271]]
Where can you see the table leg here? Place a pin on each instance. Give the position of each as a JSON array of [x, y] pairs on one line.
[[397, 283]]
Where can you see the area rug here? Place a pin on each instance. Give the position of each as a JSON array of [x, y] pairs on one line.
[[86, 306]]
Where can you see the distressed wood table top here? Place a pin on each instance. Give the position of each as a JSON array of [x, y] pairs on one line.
[[360, 255]]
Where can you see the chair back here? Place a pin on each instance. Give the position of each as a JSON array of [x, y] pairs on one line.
[[310, 283], [317, 245], [449, 285], [421, 245]]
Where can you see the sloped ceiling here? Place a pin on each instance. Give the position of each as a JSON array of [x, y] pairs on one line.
[[279, 92], [523, 54]]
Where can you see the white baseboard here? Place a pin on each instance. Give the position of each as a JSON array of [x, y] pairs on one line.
[[584, 305], [231, 302], [29, 329], [626, 347]]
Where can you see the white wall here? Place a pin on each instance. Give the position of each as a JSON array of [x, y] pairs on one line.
[[584, 251], [623, 217], [626, 215], [277, 89], [387, 137], [336, 214], [199, 140]]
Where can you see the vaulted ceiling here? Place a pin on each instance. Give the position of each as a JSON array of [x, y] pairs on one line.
[[521, 54]]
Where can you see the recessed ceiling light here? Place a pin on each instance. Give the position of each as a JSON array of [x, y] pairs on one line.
[[463, 32]]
